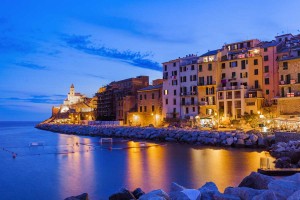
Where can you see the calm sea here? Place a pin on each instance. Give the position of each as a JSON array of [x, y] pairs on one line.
[[66, 165]]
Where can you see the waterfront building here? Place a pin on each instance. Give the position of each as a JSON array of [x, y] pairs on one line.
[[149, 106], [118, 98], [73, 97], [188, 76], [171, 89], [240, 88], [208, 77]]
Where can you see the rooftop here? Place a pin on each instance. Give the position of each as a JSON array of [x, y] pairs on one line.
[[210, 53], [151, 87]]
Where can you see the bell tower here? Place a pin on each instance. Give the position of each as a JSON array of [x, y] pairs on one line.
[[72, 90]]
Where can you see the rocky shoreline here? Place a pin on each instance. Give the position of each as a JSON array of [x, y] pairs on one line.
[[253, 139], [253, 187]]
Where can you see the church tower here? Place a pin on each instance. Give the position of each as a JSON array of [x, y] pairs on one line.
[[72, 90]]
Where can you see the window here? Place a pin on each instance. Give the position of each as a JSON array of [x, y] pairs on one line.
[[267, 91], [223, 65], [167, 101], [209, 67], [201, 80], [267, 81], [248, 44], [194, 109], [145, 108], [256, 84], [256, 72], [141, 97], [183, 101], [209, 80], [166, 67], [223, 75], [166, 92], [174, 82], [145, 96], [174, 73], [265, 49], [233, 75], [200, 68], [243, 64], [153, 109], [288, 79], [285, 65], [174, 101], [187, 110], [175, 91], [192, 67], [192, 100], [153, 95], [298, 53], [174, 64], [266, 69], [241, 75], [141, 108], [266, 58], [233, 64], [298, 78], [255, 62]]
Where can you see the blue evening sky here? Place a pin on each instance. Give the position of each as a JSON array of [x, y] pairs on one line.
[[47, 45]]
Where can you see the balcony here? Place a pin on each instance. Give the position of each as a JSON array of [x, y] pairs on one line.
[[206, 84], [232, 88], [288, 82], [188, 93]]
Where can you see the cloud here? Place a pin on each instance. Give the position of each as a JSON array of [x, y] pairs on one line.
[[40, 99], [138, 59], [140, 29], [31, 66]]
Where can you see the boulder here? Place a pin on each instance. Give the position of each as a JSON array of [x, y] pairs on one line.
[[123, 194], [283, 188], [295, 178], [229, 141], [83, 196], [220, 196], [283, 162], [294, 196], [170, 139], [243, 192], [138, 192], [208, 190], [155, 195], [186, 194], [267, 195], [256, 181], [176, 187]]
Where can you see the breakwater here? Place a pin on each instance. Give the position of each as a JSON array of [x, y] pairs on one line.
[[191, 136]]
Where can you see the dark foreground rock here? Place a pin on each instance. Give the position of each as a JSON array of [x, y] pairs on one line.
[[253, 187], [83, 196]]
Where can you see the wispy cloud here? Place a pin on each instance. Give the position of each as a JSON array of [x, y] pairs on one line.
[[31, 66], [44, 99], [138, 59]]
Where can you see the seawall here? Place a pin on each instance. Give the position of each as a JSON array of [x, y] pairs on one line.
[[190, 136]]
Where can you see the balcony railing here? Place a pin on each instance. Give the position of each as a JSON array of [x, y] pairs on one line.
[[188, 93], [232, 88]]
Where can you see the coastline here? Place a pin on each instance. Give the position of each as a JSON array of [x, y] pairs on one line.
[[238, 139]]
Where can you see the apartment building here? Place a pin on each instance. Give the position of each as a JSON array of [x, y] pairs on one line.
[[119, 97], [240, 88], [208, 77], [171, 89], [149, 105], [188, 87]]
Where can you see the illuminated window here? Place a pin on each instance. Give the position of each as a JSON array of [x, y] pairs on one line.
[[166, 92]]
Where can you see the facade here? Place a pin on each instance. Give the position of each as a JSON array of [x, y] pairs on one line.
[[149, 106], [240, 88], [171, 89], [118, 98]]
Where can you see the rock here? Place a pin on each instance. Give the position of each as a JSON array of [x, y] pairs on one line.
[[294, 196], [83, 196], [283, 162], [283, 188], [229, 141], [256, 181], [155, 195], [253, 138], [123, 194], [186, 194], [176, 188], [220, 196], [243, 192], [169, 139], [295, 178], [208, 190], [266, 195], [138, 192]]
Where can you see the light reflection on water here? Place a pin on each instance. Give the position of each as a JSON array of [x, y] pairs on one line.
[[56, 174]]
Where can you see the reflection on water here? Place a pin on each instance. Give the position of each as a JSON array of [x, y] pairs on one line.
[[70, 165]]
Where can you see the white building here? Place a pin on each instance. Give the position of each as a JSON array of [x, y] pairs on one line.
[[73, 97]]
